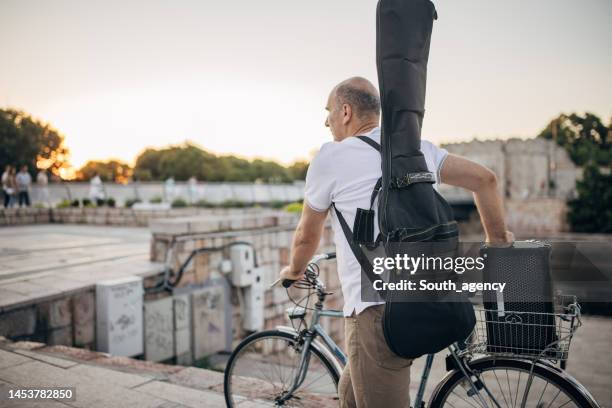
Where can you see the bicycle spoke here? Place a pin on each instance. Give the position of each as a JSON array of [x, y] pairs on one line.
[[313, 381], [488, 392], [465, 400], [501, 389], [542, 395], [553, 400], [509, 389], [518, 385], [567, 402]]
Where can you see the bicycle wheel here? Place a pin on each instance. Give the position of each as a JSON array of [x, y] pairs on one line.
[[263, 367], [506, 380]]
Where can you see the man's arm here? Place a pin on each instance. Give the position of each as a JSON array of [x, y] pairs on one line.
[[461, 172], [305, 242]]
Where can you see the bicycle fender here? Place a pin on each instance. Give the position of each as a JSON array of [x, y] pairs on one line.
[[317, 346]]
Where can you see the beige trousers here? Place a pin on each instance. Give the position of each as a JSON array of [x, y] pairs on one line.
[[374, 376]]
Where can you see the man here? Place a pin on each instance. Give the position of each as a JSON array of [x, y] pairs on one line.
[[24, 182], [6, 188], [344, 172], [42, 181], [96, 190]]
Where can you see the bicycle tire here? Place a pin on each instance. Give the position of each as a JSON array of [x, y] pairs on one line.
[[564, 382], [269, 334]]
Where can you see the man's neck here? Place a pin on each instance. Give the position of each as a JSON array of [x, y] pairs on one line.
[[364, 128]]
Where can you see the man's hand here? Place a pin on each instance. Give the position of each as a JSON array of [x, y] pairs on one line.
[[507, 241], [288, 273]]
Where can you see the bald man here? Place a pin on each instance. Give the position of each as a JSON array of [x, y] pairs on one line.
[[344, 172]]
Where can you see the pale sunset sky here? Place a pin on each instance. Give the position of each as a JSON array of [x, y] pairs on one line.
[[252, 77]]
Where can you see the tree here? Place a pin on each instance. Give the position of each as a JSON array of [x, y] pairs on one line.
[[112, 170], [187, 160], [585, 138], [28, 141], [298, 170], [591, 211]]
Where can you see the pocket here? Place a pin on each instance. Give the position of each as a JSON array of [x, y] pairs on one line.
[[385, 357]]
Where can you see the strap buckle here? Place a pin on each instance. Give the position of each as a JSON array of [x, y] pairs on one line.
[[413, 178]]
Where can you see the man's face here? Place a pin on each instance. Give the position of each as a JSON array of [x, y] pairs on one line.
[[334, 117]]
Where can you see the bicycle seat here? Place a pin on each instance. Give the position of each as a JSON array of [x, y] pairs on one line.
[[296, 312]]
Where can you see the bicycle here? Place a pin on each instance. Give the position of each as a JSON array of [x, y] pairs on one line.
[[289, 366]]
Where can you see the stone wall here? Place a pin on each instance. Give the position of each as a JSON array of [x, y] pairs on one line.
[[525, 169], [67, 320], [536, 217], [110, 216], [145, 191], [271, 237]]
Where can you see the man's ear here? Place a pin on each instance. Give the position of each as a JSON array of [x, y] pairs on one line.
[[347, 113]]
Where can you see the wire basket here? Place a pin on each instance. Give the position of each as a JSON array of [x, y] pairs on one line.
[[526, 334]]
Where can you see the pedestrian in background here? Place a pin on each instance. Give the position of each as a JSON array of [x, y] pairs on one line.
[[42, 181], [96, 190], [5, 186], [24, 183], [11, 187]]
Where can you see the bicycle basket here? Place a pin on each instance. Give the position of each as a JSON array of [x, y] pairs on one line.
[[526, 334]]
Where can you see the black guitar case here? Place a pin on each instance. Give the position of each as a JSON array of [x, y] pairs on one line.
[[409, 208]]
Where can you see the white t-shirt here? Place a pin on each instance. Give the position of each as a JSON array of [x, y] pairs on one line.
[[345, 173]]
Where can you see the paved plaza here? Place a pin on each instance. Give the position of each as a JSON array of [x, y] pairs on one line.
[[45, 261]]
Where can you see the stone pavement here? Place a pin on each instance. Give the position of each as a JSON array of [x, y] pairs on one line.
[[102, 381], [41, 262]]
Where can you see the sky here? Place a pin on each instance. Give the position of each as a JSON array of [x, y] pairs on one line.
[[252, 77]]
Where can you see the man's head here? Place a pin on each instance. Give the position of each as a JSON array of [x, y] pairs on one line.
[[354, 107], [24, 168]]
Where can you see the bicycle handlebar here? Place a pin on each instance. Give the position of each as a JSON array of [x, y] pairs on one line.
[[315, 259]]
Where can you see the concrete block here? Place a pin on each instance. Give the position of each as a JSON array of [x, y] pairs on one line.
[[84, 333], [60, 337], [83, 307], [159, 329], [182, 327], [84, 317], [55, 314], [20, 322], [182, 311], [119, 320], [211, 320]]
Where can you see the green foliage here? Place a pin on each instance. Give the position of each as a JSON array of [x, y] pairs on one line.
[[156, 200], [294, 207], [591, 211], [179, 203], [111, 202], [131, 201], [28, 141], [204, 204], [184, 161], [233, 204], [585, 138], [277, 204], [87, 203], [64, 204], [111, 170], [298, 170]]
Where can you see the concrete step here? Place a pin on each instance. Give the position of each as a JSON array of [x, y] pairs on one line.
[[104, 381]]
